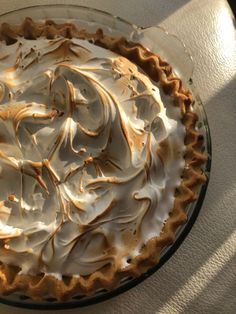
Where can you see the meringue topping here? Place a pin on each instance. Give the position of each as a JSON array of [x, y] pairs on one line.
[[90, 157]]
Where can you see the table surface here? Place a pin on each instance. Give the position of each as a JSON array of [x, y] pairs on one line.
[[201, 276]]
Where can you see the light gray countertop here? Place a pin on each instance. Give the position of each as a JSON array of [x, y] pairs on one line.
[[201, 276]]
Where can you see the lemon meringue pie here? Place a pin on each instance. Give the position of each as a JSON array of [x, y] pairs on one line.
[[99, 156]]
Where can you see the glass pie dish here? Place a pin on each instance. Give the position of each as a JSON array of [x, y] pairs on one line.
[[170, 48]]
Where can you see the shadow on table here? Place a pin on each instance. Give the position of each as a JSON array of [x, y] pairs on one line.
[[165, 9], [155, 13]]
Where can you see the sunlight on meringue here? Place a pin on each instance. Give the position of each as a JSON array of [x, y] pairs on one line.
[[10, 79], [201, 278]]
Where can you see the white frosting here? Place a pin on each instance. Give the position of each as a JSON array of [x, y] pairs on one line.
[[89, 157]]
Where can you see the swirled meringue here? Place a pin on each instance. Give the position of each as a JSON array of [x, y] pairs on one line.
[[90, 157]]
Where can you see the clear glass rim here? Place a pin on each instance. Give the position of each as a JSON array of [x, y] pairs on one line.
[[183, 230], [71, 6]]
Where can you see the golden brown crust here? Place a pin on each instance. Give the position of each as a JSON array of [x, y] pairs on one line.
[[37, 287]]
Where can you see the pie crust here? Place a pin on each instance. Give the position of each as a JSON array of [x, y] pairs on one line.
[[41, 286]]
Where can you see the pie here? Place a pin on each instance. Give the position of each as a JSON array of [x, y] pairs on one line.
[[99, 157]]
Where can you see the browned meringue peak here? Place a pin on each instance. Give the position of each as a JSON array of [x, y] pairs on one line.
[[93, 152]]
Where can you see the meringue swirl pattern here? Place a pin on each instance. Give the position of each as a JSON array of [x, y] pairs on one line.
[[90, 157]]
